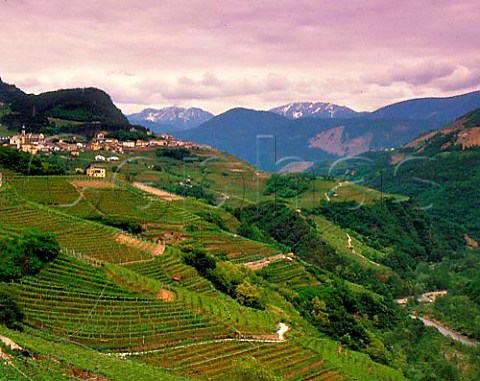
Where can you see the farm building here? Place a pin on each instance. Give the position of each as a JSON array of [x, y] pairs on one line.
[[96, 171]]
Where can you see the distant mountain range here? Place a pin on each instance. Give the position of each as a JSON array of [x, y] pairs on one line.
[[173, 119], [262, 138], [314, 110], [302, 131], [170, 119], [440, 109], [271, 141]]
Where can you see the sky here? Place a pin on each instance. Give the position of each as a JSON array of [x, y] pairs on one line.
[[217, 55]]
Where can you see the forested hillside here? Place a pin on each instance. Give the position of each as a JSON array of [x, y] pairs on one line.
[[79, 111]]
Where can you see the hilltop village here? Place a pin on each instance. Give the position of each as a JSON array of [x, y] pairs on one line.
[[74, 145], [33, 143]]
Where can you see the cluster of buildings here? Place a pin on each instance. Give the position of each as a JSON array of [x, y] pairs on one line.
[[34, 143]]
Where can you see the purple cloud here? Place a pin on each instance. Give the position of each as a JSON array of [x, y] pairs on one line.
[[418, 74], [220, 54]]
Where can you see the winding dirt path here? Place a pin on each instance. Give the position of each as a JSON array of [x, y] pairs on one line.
[[447, 332]]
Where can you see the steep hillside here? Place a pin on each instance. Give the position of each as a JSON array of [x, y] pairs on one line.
[[10, 93], [82, 105], [439, 170], [67, 110], [463, 133], [72, 105]]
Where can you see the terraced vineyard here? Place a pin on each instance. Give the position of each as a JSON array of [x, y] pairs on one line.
[[94, 311], [170, 269], [235, 248], [288, 273], [339, 239], [134, 298], [214, 360], [50, 190], [55, 191], [85, 237]]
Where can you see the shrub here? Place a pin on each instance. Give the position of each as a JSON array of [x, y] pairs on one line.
[[26, 255], [10, 313], [248, 295], [199, 259], [174, 153]]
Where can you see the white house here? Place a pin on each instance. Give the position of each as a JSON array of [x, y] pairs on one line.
[[128, 144]]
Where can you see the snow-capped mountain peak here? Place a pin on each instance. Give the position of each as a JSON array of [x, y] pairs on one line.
[[180, 117], [298, 110]]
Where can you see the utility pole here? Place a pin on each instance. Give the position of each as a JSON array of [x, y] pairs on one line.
[[381, 189]]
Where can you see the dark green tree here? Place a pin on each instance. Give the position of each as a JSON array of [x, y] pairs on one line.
[[11, 314]]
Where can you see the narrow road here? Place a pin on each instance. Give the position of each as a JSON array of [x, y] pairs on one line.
[[447, 332]]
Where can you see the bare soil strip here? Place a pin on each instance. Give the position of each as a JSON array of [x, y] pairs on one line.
[[164, 195], [12, 345], [152, 248], [165, 295], [92, 184], [264, 262]]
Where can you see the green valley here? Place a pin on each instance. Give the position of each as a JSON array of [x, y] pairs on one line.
[[186, 264]]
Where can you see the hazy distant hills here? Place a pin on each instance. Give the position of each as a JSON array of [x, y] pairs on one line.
[[270, 141], [440, 109], [170, 119], [314, 110], [314, 132]]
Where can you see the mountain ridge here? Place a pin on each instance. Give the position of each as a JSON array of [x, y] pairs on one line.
[[298, 110], [445, 109], [264, 139], [169, 119], [68, 107], [463, 132], [9, 92]]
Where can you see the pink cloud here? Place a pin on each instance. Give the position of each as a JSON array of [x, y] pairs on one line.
[[353, 51], [416, 74]]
